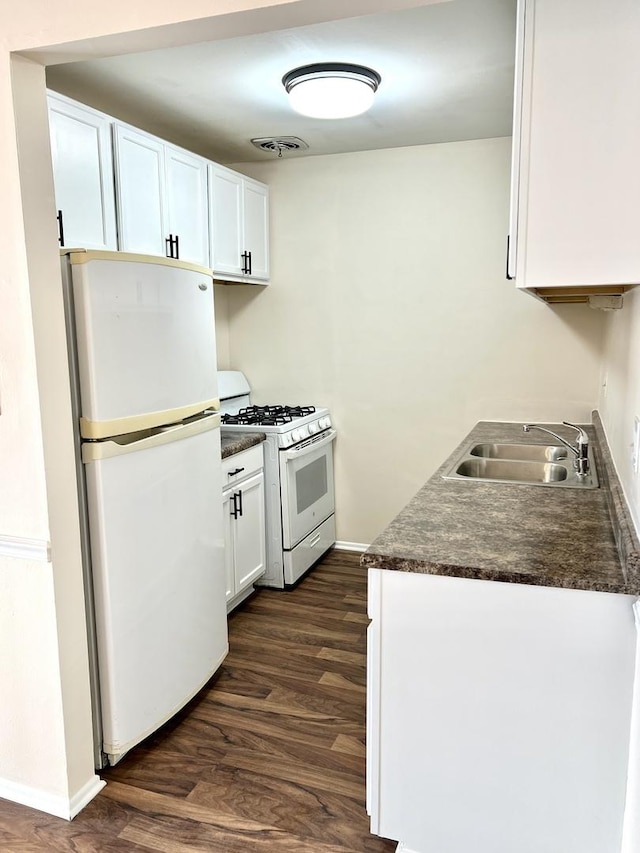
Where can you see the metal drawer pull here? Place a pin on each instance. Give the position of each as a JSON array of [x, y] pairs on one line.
[[234, 511], [240, 502], [315, 541], [233, 473]]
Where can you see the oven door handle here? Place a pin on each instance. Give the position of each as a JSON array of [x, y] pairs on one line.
[[308, 446]]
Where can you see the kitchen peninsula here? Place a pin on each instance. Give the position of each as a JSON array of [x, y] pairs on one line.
[[501, 661]]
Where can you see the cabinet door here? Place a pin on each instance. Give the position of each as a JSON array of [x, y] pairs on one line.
[[225, 221], [580, 134], [249, 532], [256, 227], [227, 526], [83, 174], [140, 189], [187, 204]]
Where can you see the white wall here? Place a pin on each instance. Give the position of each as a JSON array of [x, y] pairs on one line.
[[62, 663], [221, 306], [620, 393], [389, 304]]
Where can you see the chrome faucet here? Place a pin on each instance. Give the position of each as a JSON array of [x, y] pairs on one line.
[[580, 451]]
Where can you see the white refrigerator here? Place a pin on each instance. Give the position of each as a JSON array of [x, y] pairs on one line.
[[143, 367]]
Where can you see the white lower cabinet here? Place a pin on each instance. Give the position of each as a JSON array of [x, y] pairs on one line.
[[244, 523], [498, 715]]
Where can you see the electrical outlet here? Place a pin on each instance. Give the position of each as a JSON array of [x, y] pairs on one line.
[[635, 459]]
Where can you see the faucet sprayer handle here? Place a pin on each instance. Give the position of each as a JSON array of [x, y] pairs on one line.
[[583, 438]]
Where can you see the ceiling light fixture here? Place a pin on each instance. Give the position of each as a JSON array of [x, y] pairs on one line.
[[331, 89]]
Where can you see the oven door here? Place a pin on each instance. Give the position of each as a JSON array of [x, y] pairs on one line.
[[306, 486]]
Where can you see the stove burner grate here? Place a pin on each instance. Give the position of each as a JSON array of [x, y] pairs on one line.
[[267, 415]]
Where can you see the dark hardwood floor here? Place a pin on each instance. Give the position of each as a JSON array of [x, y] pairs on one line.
[[269, 756]]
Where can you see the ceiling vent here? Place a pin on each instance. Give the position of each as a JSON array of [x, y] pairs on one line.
[[280, 144]]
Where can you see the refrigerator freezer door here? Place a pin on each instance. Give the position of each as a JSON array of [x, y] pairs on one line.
[[158, 570], [146, 342]]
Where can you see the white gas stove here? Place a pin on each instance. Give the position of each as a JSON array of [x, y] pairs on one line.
[[298, 455]]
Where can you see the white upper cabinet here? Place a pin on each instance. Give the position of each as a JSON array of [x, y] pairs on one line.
[[162, 198], [576, 170], [256, 228], [239, 226], [187, 204], [141, 192], [225, 221], [82, 174], [167, 201]]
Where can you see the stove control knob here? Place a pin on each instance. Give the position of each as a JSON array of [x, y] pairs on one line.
[[304, 432], [325, 423], [285, 439], [313, 428], [295, 435]]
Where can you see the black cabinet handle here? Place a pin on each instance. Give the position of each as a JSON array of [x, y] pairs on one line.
[[234, 511], [249, 253], [233, 473], [509, 277], [60, 228], [173, 246], [237, 504]]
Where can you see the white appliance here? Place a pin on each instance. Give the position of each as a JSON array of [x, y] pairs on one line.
[[298, 477], [143, 368]]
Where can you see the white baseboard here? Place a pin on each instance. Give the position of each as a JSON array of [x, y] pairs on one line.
[[402, 848], [51, 803], [359, 547], [85, 795], [36, 550]]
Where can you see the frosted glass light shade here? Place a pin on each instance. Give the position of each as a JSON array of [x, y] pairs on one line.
[[331, 90]]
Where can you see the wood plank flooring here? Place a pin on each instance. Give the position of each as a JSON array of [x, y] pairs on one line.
[[269, 756]]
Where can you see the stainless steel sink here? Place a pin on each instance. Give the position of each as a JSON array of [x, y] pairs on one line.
[[524, 464], [526, 452], [513, 471]]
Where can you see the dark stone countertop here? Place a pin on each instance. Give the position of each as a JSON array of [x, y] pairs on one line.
[[536, 535], [236, 442]]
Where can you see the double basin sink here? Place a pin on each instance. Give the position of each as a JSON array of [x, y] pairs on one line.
[[524, 464]]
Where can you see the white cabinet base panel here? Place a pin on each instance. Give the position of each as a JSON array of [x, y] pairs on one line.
[[237, 600]]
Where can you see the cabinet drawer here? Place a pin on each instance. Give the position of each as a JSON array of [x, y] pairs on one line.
[[242, 465]]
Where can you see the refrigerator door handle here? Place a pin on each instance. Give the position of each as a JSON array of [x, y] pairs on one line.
[[136, 442]]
